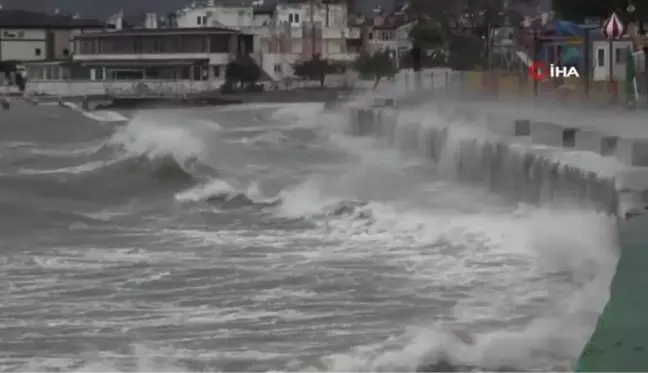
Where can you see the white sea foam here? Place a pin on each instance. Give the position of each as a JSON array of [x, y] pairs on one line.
[[98, 115], [158, 135], [78, 169], [218, 188], [385, 248]]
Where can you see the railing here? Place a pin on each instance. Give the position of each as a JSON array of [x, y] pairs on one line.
[[126, 88], [405, 80], [408, 80]]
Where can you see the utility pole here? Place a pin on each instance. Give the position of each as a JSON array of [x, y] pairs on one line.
[[312, 28]]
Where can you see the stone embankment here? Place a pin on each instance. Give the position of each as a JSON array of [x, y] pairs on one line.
[[529, 154]]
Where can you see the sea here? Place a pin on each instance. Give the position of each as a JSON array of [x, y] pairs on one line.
[[261, 237]]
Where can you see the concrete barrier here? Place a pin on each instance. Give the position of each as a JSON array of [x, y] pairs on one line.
[[381, 120]]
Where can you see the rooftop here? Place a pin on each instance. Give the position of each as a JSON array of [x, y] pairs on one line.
[[28, 19], [162, 31]]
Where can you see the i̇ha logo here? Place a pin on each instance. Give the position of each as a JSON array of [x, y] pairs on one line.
[[540, 72]]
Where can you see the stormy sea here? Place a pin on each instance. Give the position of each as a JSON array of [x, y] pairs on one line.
[[260, 237]]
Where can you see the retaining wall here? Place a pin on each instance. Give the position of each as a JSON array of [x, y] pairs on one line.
[[531, 161]]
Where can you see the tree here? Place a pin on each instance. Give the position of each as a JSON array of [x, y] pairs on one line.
[[376, 66], [578, 10], [243, 71], [12, 75], [314, 69], [7, 67], [462, 26], [429, 58], [426, 35]]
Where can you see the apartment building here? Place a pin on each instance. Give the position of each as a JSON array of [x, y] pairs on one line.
[[284, 33], [389, 31]]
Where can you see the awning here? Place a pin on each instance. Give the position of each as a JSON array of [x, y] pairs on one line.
[[145, 63]]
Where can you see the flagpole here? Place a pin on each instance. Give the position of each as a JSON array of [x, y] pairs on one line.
[[612, 29], [611, 62]]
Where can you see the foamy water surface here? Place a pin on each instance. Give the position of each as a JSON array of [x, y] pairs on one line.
[[259, 238]]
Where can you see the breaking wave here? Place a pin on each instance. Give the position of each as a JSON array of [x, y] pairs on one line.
[[499, 260], [147, 136], [224, 193], [403, 268], [521, 171]]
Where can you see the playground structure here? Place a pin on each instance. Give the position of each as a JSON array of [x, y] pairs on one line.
[[609, 72]]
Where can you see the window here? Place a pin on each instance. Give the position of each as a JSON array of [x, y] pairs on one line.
[[204, 20], [619, 56], [601, 57], [609, 145], [38, 51], [277, 68], [199, 20], [569, 138], [290, 18], [66, 52], [296, 18]]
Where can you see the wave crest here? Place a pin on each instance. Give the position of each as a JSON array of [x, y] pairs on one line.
[[225, 193], [147, 135]]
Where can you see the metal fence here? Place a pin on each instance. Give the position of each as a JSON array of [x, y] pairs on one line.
[[405, 80], [138, 88]]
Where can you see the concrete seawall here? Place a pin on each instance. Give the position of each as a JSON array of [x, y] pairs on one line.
[[529, 161], [599, 162]]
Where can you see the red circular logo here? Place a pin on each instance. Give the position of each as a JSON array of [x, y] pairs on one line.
[[539, 71]]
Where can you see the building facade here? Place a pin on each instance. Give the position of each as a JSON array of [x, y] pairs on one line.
[[285, 33], [161, 54], [30, 37], [390, 32]]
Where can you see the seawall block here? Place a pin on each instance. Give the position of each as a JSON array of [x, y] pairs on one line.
[[633, 152], [595, 142], [547, 133]]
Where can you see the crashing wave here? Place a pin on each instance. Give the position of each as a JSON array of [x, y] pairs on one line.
[[267, 139], [352, 209], [523, 172], [222, 192], [167, 168]]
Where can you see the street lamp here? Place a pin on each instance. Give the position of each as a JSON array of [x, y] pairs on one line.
[[537, 31]]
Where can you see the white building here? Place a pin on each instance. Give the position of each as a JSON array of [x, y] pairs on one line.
[[212, 15], [391, 34], [601, 59], [31, 36], [284, 33], [161, 54]]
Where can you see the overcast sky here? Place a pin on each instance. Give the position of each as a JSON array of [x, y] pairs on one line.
[[104, 8]]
